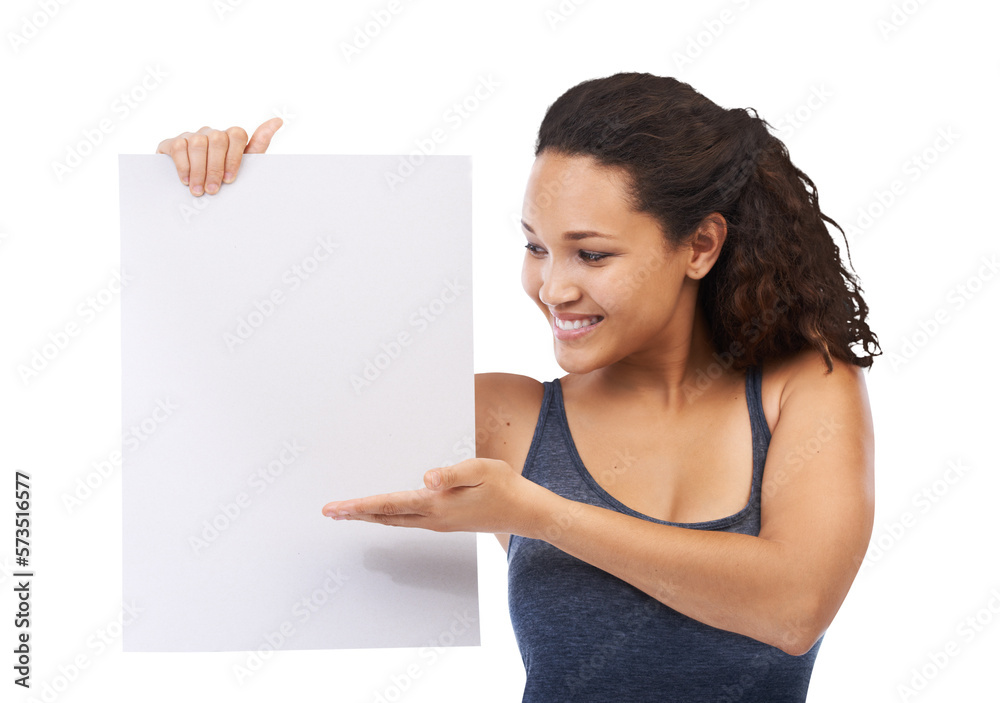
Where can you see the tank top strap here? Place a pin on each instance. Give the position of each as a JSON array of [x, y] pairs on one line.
[[758, 426], [547, 439], [553, 461]]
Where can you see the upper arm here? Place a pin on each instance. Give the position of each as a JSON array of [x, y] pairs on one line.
[[507, 407], [491, 416], [817, 494]]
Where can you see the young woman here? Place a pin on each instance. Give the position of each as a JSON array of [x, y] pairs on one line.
[[685, 510]]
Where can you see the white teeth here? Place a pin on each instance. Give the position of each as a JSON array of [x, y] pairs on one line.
[[575, 324]]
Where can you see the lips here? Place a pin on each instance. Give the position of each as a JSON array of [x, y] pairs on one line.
[[571, 327]]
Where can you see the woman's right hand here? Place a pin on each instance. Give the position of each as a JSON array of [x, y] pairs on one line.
[[210, 157]]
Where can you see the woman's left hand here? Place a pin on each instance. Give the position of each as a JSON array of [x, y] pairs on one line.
[[475, 495]]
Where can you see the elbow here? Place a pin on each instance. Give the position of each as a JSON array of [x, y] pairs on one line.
[[802, 644], [800, 630]]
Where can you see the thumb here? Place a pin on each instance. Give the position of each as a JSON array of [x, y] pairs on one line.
[[261, 138], [465, 473]]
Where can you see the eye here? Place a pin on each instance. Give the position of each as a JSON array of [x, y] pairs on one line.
[[587, 256], [533, 248], [592, 255]]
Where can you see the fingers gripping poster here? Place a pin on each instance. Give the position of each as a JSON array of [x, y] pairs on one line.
[[304, 335]]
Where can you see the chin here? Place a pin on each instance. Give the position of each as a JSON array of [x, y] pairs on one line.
[[578, 364]]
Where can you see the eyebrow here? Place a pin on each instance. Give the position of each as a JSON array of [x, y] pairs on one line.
[[573, 236]]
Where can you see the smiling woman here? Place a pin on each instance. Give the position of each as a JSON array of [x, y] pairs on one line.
[[590, 238], [686, 509]]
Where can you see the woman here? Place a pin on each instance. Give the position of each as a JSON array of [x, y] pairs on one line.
[[684, 511]]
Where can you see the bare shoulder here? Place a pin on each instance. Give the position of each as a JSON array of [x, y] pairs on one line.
[[822, 446], [804, 379], [517, 391], [507, 407]]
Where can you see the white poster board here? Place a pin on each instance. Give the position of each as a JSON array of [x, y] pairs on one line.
[[303, 336]]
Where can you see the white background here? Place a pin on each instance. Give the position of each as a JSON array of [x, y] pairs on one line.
[[893, 77]]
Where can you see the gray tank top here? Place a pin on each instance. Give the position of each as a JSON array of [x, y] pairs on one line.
[[585, 635]]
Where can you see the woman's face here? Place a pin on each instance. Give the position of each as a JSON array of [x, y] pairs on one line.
[[598, 270]]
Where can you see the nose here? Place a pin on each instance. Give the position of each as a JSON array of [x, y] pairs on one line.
[[558, 286]]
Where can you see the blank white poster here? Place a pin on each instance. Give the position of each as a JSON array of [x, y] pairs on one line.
[[303, 336]]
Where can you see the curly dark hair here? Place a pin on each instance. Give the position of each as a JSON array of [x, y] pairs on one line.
[[779, 285]]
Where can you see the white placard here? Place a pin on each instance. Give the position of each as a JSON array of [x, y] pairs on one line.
[[303, 336]]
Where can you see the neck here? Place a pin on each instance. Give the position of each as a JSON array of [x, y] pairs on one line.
[[673, 375]]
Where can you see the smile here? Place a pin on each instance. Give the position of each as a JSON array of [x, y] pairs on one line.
[[574, 329], [574, 324]]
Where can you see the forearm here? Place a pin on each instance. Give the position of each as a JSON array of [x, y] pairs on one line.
[[735, 582]]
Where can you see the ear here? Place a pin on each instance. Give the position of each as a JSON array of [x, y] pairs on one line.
[[706, 243]]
